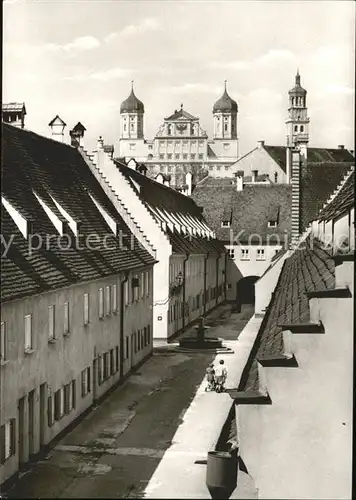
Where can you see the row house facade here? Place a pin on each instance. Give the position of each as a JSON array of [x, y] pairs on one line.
[[296, 390], [190, 275], [76, 295]]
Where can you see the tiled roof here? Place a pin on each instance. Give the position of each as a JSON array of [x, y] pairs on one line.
[[157, 195], [250, 208], [32, 163], [344, 200], [307, 269], [13, 106], [315, 155], [318, 181]]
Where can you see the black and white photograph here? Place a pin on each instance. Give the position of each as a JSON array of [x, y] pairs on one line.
[[177, 249]]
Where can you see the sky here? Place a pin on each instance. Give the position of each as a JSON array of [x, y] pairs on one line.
[[77, 58]]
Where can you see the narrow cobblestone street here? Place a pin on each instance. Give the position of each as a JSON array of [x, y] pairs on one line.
[[116, 448]]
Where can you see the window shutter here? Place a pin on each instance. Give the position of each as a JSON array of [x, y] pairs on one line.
[[66, 399], [101, 302], [66, 318], [51, 322], [73, 393], [12, 436], [86, 308], [57, 405], [50, 411], [88, 380], [2, 444], [114, 298]]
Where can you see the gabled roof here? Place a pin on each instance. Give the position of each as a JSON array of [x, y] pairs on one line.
[[309, 268], [181, 114], [343, 201], [158, 196], [318, 181], [14, 106], [57, 119], [315, 155], [79, 127], [34, 165], [250, 207]]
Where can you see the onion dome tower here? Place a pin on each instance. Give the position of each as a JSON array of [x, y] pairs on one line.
[[132, 111], [225, 117]]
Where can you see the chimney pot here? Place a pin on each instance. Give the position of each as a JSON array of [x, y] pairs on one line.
[[254, 175], [341, 146], [260, 144]]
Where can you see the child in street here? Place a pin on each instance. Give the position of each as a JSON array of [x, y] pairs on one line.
[[220, 376], [210, 377]]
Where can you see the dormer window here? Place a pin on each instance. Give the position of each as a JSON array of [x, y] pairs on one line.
[[272, 223], [225, 223]]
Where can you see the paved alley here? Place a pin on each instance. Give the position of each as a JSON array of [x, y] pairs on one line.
[[114, 451]]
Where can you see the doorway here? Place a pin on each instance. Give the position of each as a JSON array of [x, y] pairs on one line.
[[21, 431], [31, 422], [42, 414]]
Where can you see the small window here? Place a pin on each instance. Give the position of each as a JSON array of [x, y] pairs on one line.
[[295, 128], [272, 223], [229, 286], [218, 167], [101, 303], [275, 177], [225, 223], [107, 301], [132, 145], [169, 170], [302, 128], [86, 308], [161, 156], [192, 156], [112, 362], [225, 127], [114, 298], [177, 156], [260, 254], [117, 358], [50, 411], [127, 348], [126, 293], [231, 253], [3, 342], [58, 404], [85, 379], [226, 167], [185, 156], [66, 318], [106, 370], [245, 254], [169, 156], [201, 156], [7, 440], [28, 332]]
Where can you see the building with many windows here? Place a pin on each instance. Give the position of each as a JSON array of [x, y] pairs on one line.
[[76, 294], [181, 145], [190, 275]]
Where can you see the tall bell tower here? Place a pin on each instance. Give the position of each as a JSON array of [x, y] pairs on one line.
[[298, 122]]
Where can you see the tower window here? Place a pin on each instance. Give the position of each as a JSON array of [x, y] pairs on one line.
[[125, 127], [302, 128], [275, 177], [295, 128], [225, 127]]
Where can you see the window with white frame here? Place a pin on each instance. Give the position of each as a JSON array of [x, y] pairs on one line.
[[114, 298], [100, 369], [85, 379], [136, 289], [126, 293], [106, 367], [7, 440], [3, 342], [28, 332], [51, 322], [86, 309], [59, 404], [50, 411], [225, 223], [272, 223], [66, 318], [112, 362], [245, 254], [126, 347], [101, 303], [107, 300], [261, 254], [231, 253], [69, 397], [142, 284]]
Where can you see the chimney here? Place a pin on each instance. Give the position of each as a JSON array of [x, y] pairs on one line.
[[57, 127], [188, 181], [167, 180], [341, 146], [100, 143], [239, 180], [254, 175], [14, 113], [296, 163], [76, 135], [260, 144]]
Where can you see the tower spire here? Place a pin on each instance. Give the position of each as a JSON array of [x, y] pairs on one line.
[[132, 86], [225, 84], [297, 77]]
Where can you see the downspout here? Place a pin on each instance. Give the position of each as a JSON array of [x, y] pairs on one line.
[[122, 314], [205, 260], [184, 276]]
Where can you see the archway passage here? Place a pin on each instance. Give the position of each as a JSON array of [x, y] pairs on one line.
[[245, 291]]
